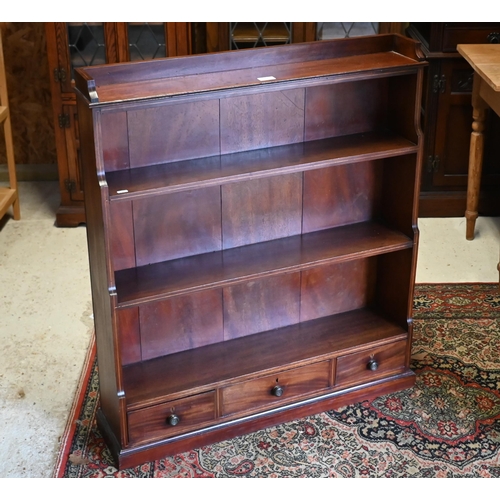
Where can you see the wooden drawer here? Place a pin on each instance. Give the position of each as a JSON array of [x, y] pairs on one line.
[[357, 368], [261, 392], [157, 422], [453, 36]]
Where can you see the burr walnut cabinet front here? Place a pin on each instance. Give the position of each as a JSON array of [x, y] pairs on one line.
[[252, 232]]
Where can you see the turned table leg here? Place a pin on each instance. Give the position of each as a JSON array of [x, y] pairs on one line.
[[479, 109]]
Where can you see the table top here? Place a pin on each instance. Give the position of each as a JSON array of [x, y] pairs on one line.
[[485, 60]]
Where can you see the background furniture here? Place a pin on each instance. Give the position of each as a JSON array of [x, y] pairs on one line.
[[446, 119], [8, 196], [73, 45], [252, 228], [485, 61]]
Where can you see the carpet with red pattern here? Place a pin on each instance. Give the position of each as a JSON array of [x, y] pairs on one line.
[[447, 425]]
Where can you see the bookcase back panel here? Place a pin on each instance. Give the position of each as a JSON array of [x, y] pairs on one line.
[[173, 132], [340, 195], [261, 305], [181, 323], [337, 288], [261, 210], [177, 225], [261, 120], [345, 108]]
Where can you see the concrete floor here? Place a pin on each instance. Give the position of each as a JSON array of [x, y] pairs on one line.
[[46, 316]]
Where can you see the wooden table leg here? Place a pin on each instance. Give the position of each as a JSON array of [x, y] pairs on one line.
[[479, 110]]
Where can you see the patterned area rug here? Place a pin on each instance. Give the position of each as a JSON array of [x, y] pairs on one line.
[[447, 425]]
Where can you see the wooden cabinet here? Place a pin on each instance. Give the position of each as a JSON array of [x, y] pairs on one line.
[[252, 230], [447, 121], [72, 45]]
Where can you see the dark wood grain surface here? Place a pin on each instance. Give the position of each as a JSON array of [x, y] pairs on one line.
[[181, 276], [216, 170], [245, 233], [210, 366]]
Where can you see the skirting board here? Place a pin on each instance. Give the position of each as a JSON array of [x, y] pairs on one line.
[[26, 172]]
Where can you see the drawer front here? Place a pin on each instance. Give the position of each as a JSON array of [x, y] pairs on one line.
[[272, 390], [453, 36], [174, 417], [370, 364]]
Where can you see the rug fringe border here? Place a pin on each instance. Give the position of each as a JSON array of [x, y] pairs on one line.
[[70, 428]]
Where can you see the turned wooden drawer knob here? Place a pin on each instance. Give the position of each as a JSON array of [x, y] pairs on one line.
[[173, 419], [493, 38], [277, 391], [372, 365]]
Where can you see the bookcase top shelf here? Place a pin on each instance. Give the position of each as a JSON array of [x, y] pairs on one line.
[[221, 169], [315, 61]]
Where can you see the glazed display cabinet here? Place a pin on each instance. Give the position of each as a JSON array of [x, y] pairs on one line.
[[74, 45], [447, 121]]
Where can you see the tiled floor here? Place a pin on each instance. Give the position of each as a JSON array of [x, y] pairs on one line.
[[46, 322]]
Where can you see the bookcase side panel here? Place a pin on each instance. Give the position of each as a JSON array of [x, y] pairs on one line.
[[400, 193], [101, 277], [127, 324], [404, 105], [395, 281], [115, 140], [121, 235]]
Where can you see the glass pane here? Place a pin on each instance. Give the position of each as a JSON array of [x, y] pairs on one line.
[[248, 35], [146, 41], [326, 31], [86, 44]]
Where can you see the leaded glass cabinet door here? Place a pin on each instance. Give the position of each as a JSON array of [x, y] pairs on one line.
[[250, 35], [81, 44], [145, 41], [74, 45]]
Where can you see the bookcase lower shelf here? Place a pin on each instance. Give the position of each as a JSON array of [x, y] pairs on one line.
[[205, 429]]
